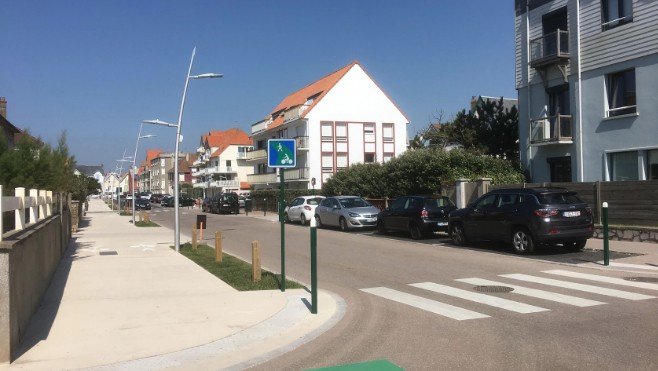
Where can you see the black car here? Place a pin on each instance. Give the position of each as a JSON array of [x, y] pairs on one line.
[[142, 204], [182, 201], [225, 203], [420, 216], [525, 217]]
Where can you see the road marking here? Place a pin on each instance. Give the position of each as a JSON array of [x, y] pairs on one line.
[[433, 306], [493, 301], [579, 287], [593, 277], [540, 294]]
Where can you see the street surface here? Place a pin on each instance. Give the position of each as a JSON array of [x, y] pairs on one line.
[[415, 303]]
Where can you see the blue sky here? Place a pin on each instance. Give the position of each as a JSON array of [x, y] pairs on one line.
[[96, 69]]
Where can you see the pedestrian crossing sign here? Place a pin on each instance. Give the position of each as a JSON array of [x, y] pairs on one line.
[[281, 153]]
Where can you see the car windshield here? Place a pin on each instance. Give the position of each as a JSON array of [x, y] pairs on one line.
[[559, 198], [353, 202]]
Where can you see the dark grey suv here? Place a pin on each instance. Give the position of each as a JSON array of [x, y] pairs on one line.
[[525, 217]]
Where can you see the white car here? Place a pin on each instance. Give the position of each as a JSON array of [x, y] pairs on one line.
[[302, 209]]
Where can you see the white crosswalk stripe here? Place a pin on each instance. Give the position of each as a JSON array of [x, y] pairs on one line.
[[578, 286], [540, 294], [493, 301], [429, 305], [597, 278]]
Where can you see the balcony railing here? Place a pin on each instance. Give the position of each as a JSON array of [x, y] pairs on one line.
[[262, 178], [234, 183], [301, 142], [550, 48], [296, 174], [258, 154], [551, 130]]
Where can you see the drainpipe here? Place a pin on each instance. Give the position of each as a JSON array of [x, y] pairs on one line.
[[581, 165], [527, 35]]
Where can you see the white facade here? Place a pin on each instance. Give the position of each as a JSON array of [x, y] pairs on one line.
[[342, 119]]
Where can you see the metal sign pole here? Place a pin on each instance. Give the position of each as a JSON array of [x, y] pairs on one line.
[[283, 234]]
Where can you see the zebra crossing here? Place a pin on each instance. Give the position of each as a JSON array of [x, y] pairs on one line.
[[518, 291]]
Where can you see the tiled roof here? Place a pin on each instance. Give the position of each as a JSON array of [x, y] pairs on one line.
[[150, 155], [317, 90], [223, 139]]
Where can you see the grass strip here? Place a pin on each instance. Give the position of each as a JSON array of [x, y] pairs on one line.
[[234, 271]]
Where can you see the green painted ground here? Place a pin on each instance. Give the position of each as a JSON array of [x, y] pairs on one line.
[[379, 365]]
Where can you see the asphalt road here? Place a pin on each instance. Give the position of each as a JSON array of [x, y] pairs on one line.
[[601, 330]]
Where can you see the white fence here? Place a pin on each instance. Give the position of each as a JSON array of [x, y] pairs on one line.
[[28, 208]]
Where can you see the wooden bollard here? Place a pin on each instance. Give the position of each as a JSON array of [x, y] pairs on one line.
[[218, 246], [194, 244], [255, 261]]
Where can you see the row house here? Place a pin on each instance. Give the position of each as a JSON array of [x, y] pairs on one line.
[[342, 119], [144, 171], [587, 82], [221, 162]]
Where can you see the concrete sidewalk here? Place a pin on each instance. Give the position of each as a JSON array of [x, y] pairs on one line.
[[123, 299]]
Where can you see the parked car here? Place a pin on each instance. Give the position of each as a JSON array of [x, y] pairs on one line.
[[346, 212], [145, 195], [167, 201], [155, 198], [302, 209], [525, 217], [225, 203], [186, 201], [142, 204], [420, 216]]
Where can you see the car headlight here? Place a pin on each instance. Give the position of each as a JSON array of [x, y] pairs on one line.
[[354, 215]]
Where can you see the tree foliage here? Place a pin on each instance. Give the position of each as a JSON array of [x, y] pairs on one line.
[[420, 171], [490, 128], [34, 164]]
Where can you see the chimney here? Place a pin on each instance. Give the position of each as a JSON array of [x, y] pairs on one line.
[[3, 107]]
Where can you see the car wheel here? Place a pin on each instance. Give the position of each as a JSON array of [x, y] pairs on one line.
[[457, 234], [522, 242], [343, 225], [575, 245], [415, 231], [318, 222], [286, 218], [381, 229], [302, 219]]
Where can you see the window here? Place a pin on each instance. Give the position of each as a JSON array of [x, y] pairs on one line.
[[341, 132], [620, 88], [387, 132], [653, 164], [616, 13], [560, 168], [369, 157], [623, 166], [327, 129]]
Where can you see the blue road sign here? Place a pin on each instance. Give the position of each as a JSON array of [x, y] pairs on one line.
[[281, 153]]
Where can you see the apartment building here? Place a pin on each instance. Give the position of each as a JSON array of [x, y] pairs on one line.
[[221, 162], [342, 119], [587, 81]]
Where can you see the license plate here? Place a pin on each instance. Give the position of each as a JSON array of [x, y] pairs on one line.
[[442, 224], [571, 214], [371, 220]]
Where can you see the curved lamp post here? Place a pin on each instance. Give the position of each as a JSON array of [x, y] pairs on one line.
[[133, 169], [178, 137]]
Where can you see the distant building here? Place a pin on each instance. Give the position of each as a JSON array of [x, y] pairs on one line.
[[342, 119], [587, 81], [94, 171], [11, 133]]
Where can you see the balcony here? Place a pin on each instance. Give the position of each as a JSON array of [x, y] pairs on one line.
[[201, 149], [262, 178], [234, 183], [301, 143], [296, 174], [258, 154], [551, 130], [552, 48]]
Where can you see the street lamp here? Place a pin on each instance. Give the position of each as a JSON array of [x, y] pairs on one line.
[[133, 169], [178, 138]]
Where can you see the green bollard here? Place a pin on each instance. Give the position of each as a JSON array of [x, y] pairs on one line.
[[314, 267], [606, 247]]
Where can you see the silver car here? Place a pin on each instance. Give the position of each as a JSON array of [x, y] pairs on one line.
[[346, 212]]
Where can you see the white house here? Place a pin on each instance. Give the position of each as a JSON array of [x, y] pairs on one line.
[[342, 119], [221, 163]]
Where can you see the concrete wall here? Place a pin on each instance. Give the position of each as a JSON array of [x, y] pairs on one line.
[[28, 260]]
